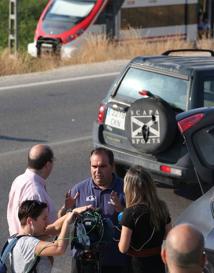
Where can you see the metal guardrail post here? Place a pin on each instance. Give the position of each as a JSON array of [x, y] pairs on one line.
[[13, 27]]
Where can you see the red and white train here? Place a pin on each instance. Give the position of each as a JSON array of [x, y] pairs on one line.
[[61, 22]]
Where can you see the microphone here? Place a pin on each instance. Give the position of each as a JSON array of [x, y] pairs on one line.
[[120, 216]]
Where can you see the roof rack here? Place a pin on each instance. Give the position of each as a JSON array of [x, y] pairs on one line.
[[168, 52]]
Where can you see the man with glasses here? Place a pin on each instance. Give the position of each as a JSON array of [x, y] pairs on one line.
[[31, 185]]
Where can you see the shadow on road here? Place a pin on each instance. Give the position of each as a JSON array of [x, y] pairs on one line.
[[19, 139]]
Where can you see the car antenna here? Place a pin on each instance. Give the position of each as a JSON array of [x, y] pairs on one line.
[[199, 181]]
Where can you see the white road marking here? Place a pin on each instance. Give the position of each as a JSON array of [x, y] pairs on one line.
[[52, 144], [25, 85]]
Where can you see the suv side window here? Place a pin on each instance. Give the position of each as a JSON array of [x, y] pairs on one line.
[[209, 93], [171, 89]]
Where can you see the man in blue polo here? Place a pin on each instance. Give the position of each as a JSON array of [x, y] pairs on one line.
[[104, 190]]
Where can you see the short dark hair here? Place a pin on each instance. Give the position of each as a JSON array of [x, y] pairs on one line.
[[100, 150], [30, 208], [39, 162]]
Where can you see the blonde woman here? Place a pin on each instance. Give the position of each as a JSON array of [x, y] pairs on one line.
[[145, 222]]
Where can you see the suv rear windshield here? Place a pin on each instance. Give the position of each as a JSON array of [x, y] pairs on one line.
[[173, 90]]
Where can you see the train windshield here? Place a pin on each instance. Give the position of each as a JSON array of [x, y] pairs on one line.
[[62, 15]]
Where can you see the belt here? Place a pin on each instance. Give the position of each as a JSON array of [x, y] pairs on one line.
[[146, 252]]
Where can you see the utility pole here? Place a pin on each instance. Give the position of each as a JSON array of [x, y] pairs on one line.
[[13, 27], [211, 7]]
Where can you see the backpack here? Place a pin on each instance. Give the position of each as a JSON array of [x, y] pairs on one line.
[[7, 249]]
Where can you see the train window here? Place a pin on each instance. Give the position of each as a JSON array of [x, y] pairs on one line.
[[71, 8], [160, 16]]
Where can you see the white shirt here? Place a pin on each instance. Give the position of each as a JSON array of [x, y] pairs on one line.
[[27, 186], [23, 256]]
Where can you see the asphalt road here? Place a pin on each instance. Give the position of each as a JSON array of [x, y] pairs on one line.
[[58, 108]]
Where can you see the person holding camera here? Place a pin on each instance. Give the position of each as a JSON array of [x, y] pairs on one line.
[[145, 222], [103, 190], [32, 252]]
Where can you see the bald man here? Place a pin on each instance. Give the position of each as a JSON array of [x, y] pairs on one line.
[[183, 250], [31, 185]]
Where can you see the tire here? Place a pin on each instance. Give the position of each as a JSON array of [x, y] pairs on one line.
[[151, 125]]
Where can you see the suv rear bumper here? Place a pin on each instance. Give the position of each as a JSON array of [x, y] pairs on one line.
[[186, 174]]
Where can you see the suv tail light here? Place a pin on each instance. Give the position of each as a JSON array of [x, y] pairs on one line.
[[101, 114], [170, 170], [187, 123]]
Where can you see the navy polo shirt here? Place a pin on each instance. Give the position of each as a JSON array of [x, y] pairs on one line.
[[90, 193]]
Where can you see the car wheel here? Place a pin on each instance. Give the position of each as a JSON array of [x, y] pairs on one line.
[[151, 125]]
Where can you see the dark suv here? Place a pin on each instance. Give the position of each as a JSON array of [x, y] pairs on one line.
[[197, 128], [137, 118]]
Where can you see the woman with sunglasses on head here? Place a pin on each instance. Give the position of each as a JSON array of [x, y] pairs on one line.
[[145, 222], [33, 216]]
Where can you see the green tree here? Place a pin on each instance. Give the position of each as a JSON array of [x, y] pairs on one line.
[[29, 12], [4, 11]]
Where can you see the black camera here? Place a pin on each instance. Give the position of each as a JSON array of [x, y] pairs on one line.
[[91, 230]]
